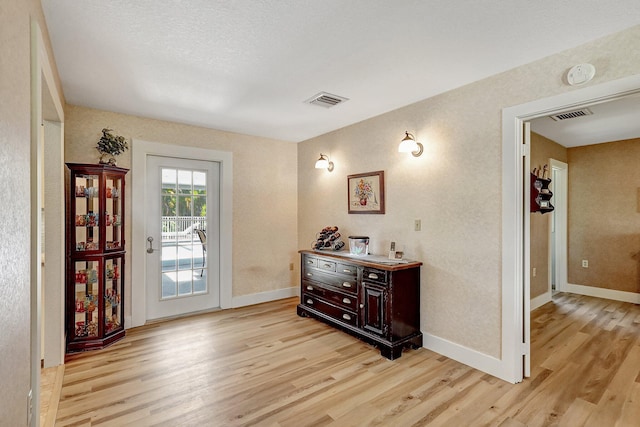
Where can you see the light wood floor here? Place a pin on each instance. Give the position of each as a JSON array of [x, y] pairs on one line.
[[264, 366]]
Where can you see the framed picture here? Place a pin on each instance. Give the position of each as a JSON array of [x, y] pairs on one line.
[[366, 193]]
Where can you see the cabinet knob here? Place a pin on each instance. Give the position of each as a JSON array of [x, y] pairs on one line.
[[346, 300], [346, 284], [345, 316], [309, 288], [361, 305]]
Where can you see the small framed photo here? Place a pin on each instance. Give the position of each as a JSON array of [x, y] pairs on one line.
[[366, 193]]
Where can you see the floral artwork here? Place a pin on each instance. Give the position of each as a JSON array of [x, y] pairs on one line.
[[366, 192]]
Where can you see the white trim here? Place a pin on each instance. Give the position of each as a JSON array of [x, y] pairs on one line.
[[540, 300], [512, 197], [560, 192], [260, 297], [611, 294], [140, 150], [462, 354]]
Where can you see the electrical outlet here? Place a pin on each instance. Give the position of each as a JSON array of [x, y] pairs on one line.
[[417, 225], [585, 263], [291, 267], [534, 272]]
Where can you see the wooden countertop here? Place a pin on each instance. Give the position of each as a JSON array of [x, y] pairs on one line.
[[375, 261]]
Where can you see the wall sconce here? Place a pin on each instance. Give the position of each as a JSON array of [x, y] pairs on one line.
[[324, 163], [410, 145]]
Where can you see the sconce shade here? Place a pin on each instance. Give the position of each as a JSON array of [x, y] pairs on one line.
[[409, 145], [324, 163]]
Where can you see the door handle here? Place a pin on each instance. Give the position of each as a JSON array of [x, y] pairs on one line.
[[150, 249]]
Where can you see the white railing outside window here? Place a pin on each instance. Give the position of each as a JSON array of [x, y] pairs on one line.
[[182, 227]]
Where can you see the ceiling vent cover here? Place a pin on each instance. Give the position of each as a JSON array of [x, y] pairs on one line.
[[327, 100], [572, 114]]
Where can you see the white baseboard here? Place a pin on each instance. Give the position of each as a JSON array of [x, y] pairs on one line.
[[462, 354], [267, 296], [612, 294], [540, 300]]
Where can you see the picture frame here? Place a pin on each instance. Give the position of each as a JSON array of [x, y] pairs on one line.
[[365, 193]]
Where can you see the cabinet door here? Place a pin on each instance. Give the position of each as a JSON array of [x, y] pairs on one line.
[[113, 214], [86, 291], [374, 315], [113, 270], [86, 213]]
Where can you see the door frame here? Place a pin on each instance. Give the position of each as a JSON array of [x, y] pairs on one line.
[[515, 283], [140, 150], [560, 240]]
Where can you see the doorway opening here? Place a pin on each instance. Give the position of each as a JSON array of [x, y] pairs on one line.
[[515, 245]]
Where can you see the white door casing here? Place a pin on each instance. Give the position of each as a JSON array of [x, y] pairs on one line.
[[140, 150], [513, 241]]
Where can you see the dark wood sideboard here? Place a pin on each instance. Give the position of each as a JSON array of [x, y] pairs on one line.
[[376, 302]]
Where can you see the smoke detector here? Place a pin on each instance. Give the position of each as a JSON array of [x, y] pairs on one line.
[[580, 74], [326, 100]]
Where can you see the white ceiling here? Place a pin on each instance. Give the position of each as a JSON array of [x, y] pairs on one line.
[[611, 121], [247, 66]]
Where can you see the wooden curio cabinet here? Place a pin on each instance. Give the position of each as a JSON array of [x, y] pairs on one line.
[[94, 297]]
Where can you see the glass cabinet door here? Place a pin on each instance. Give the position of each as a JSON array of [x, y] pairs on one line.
[[113, 294], [113, 213], [86, 298], [87, 213]]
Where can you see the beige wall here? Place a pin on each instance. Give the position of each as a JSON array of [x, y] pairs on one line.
[[264, 190], [604, 215], [542, 149], [454, 188], [15, 141]]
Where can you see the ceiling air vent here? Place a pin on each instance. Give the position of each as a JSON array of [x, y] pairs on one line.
[[327, 100], [572, 114]]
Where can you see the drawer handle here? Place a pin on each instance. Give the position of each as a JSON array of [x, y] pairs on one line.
[[346, 300], [310, 302], [346, 284], [361, 305], [328, 266], [309, 262], [309, 274], [309, 288], [346, 316], [373, 276], [346, 270]]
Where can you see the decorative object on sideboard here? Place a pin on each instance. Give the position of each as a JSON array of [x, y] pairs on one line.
[[109, 146], [328, 238], [324, 163], [366, 193], [410, 145], [540, 194], [359, 245]]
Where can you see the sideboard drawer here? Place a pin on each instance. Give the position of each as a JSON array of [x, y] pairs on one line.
[[344, 300], [375, 275], [347, 269], [310, 261], [338, 313], [325, 265]]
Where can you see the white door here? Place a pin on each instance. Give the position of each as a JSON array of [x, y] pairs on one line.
[[183, 233]]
